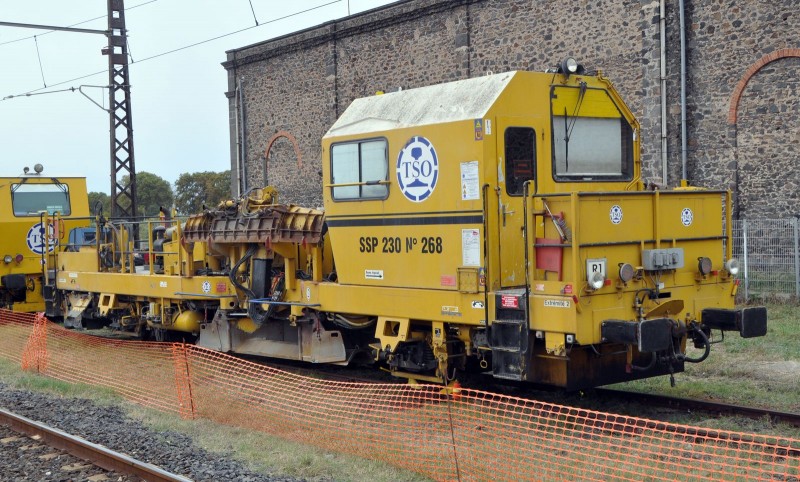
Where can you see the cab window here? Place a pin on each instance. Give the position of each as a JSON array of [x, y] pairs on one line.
[[520, 158], [32, 199], [359, 170], [592, 140]]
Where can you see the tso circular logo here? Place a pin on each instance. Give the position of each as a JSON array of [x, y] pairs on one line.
[[417, 169], [615, 214], [35, 239], [687, 217]]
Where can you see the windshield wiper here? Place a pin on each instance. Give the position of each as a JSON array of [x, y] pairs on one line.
[[568, 127]]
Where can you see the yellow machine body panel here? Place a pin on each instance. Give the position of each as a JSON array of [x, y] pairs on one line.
[[615, 229], [397, 242], [156, 286]]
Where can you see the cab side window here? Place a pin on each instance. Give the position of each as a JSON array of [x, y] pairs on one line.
[[520, 158], [359, 170]]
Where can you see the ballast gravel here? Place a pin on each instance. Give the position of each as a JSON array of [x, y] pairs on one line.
[[109, 426]]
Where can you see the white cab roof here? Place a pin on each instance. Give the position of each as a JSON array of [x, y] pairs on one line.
[[435, 104]]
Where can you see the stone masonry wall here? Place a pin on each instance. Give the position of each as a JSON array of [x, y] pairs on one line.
[[299, 84], [759, 155]]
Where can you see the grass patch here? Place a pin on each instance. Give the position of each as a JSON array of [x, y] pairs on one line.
[[759, 372], [274, 455], [11, 374]]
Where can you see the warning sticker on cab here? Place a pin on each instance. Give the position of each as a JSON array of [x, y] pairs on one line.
[[557, 303], [507, 301]]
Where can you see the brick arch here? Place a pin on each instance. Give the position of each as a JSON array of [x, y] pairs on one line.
[[288, 136], [751, 71]]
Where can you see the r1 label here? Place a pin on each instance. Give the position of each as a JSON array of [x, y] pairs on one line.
[[597, 265]]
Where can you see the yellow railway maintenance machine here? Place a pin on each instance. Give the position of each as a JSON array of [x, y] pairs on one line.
[[496, 224], [503, 219], [30, 238]]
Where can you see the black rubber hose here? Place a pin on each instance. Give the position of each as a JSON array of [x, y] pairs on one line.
[[234, 270], [254, 311], [706, 344], [649, 365]]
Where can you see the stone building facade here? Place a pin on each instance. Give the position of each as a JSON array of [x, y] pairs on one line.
[[742, 64]]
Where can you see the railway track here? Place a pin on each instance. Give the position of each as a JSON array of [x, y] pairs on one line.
[[707, 406], [95, 454], [715, 408]]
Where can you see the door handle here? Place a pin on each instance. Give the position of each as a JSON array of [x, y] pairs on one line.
[[506, 212]]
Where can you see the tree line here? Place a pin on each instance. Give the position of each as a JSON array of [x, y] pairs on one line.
[[192, 192]]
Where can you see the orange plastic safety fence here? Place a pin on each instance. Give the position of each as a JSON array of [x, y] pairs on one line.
[[34, 356], [139, 371], [15, 331], [468, 434], [183, 381]]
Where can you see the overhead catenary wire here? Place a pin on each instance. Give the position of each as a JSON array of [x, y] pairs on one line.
[[73, 25], [39, 56], [70, 89], [310, 9], [254, 12], [238, 31], [36, 91]]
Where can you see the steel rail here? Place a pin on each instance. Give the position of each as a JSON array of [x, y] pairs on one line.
[[733, 438], [702, 405], [91, 452]]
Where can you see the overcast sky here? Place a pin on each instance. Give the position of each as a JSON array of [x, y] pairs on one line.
[[180, 113]]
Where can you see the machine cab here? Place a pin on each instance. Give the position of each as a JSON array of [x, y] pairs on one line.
[[581, 137], [31, 238]]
